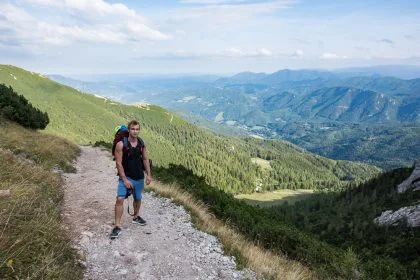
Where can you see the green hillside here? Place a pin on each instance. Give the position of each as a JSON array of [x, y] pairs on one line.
[[385, 146], [224, 162], [345, 220]]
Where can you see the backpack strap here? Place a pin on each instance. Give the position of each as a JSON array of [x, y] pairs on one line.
[[125, 144], [142, 145]]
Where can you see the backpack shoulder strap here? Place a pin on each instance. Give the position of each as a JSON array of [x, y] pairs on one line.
[[125, 144], [141, 144]]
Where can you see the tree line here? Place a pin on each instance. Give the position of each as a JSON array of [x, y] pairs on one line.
[[17, 108]]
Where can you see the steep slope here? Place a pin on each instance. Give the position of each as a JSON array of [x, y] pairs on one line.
[[347, 105], [346, 220], [389, 85], [386, 146]]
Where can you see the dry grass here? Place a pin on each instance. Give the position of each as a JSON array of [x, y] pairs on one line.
[[263, 262], [33, 245], [47, 150]]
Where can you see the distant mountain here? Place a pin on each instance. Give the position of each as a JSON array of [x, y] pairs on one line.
[[279, 101], [388, 85], [348, 105], [244, 103], [287, 75], [281, 76], [243, 78], [330, 104], [385, 145], [398, 71]]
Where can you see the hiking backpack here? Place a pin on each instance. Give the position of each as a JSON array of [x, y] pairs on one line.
[[121, 134]]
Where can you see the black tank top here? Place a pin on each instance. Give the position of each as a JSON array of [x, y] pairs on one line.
[[133, 161]]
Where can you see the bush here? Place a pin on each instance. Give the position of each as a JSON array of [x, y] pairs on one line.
[[17, 108], [384, 268]]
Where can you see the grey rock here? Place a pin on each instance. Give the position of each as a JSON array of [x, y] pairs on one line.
[[411, 182], [411, 214], [123, 272]]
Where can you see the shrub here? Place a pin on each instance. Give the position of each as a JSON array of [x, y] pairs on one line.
[[17, 108]]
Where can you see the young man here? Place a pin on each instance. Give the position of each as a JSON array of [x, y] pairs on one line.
[[130, 162]]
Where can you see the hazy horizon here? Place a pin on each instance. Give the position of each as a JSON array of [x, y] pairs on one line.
[[400, 71]]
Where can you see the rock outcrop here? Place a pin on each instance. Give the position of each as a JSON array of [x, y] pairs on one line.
[[413, 181], [410, 214]]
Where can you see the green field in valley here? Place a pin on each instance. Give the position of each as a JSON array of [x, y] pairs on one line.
[[267, 199]]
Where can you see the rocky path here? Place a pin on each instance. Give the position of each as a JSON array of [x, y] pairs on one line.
[[169, 247]]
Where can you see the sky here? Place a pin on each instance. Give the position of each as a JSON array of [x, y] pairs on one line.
[[76, 37]]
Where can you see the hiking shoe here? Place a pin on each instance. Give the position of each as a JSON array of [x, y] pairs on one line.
[[116, 231], [139, 220]]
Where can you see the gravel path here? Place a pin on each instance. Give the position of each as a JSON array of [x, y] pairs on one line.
[[167, 248]]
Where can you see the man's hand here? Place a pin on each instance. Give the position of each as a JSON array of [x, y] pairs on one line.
[[128, 184], [148, 179]]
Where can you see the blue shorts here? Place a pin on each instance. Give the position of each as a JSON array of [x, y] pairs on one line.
[[137, 184]]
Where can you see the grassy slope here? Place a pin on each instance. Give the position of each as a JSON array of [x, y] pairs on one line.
[[32, 240], [276, 197], [84, 118], [72, 113]]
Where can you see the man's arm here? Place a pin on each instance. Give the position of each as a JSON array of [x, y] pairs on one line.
[[118, 162], [146, 164]]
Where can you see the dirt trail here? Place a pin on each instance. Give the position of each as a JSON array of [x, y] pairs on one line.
[[167, 248]]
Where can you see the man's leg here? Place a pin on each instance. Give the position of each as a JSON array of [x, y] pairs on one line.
[[137, 219], [136, 206], [138, 189], [137, 202], [119, 203]]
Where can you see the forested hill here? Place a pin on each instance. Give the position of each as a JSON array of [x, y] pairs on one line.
[[234, 165], [345, 220]]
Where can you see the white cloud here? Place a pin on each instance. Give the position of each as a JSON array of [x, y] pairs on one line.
[[213, 2], [332, 56], [298, 53], [230, 11], [208, 35], [90, 8], [264, 52], [233, 52], [229, 52], [117, 24]]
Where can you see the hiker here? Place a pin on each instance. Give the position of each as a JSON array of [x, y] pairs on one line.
[[131, 162]]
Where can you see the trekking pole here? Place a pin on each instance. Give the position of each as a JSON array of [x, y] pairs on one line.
[[129, 192]]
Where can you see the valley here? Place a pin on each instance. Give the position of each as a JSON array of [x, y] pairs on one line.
[[358, 116]]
